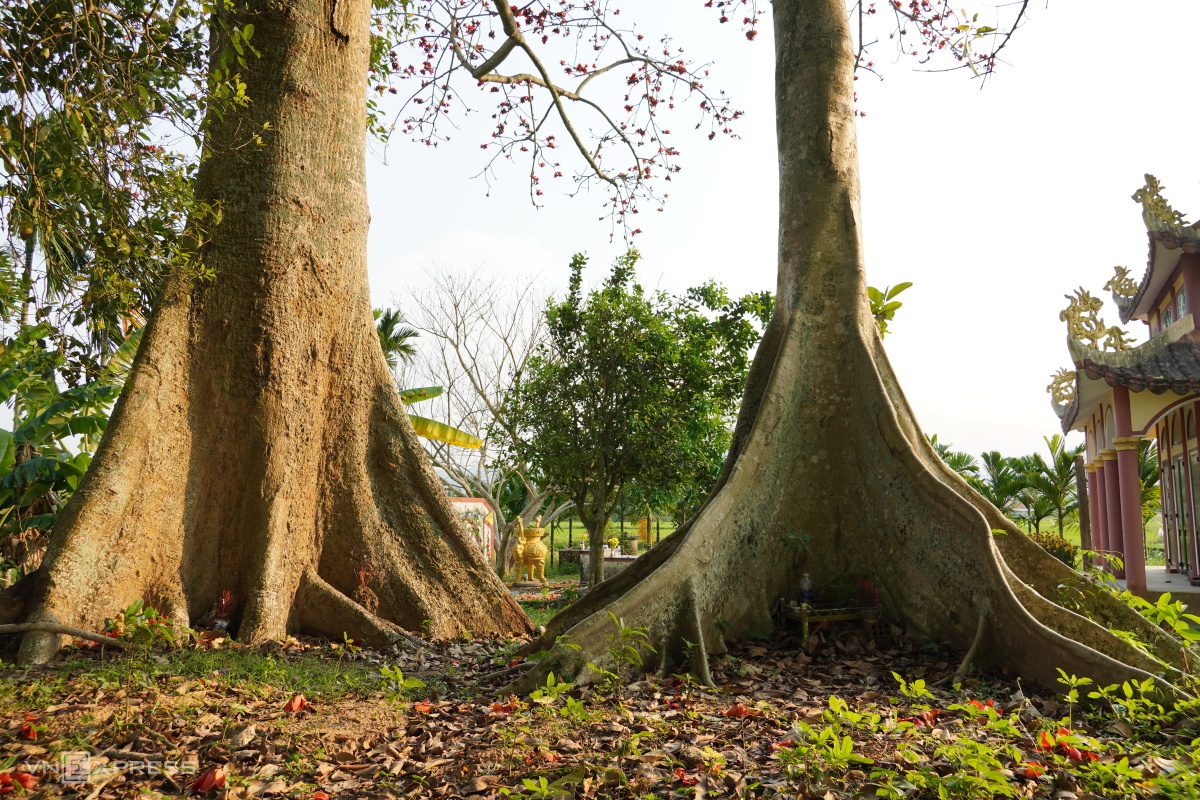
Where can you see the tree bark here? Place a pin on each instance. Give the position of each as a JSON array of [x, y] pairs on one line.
[[829, 472], [260, 447], [1081, 505]]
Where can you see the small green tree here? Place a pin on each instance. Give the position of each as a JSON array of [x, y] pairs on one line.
[[630, 390]]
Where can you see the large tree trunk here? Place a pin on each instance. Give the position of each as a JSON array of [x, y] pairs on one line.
[[260, 447], [829, 473]]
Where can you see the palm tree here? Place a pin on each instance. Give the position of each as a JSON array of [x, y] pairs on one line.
[[1001, 482], [1054, 479], [1148, 476], [962, 463], [395, 337], [1037, 508]]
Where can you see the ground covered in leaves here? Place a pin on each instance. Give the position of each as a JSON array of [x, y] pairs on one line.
[[838, 718]]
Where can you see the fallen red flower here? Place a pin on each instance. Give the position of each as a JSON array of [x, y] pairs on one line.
[[1030, 769], [298, 703], [211, 778], [925, 719], [686, 780], [777, 746], [9, 779], [740, 710], [424, 706], [26, 729], [319, 796]]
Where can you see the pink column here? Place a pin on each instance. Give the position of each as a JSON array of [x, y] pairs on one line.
[[1094, 504], [1115, 539], [1131, 515], [1101, 509]]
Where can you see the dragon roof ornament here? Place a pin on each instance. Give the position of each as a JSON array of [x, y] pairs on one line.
[[1154, 205], [1120, 284], [1062, 386], [1084, 323]]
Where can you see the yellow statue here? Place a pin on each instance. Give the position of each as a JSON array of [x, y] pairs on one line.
[[530, 551]]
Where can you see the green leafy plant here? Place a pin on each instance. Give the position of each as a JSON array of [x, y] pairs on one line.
[[397, 684], [884, 304], [549, 694], [144, 626], [625, 653]]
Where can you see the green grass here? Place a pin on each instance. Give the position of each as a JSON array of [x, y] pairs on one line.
[[539, 615], [1154, 540], [316, 674]]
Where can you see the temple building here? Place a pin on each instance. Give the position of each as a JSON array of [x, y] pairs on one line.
[[1119, 394]]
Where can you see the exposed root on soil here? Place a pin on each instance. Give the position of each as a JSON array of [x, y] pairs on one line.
[[324, 610], [62, 630]]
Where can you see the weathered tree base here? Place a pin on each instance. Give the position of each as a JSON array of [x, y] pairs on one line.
[[787, 506], [260, 450]]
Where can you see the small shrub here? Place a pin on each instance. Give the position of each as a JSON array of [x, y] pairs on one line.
[[1058, 547]]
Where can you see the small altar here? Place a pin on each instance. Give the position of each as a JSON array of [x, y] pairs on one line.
[[612, 565]]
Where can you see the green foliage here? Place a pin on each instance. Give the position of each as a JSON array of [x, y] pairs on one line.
[[549, 694], [397, 685], [1001, 481], [884, 304], [92, 194], [633, 393], [395, 337], [962, 463], [145, 627], [1058, 547], [624, 653], [44, 457]]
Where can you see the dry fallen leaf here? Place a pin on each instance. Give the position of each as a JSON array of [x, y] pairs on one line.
[[482, 783]]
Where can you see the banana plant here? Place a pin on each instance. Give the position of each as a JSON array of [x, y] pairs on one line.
[[55, 431], [431, 428]]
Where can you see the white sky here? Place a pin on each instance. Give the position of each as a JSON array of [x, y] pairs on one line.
[[994, 202]]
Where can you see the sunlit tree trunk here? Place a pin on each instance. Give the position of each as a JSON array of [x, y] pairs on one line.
[[829, 473], [260, 447]]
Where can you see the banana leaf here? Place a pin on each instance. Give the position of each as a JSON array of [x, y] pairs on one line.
[[410, 396], [440, 431]]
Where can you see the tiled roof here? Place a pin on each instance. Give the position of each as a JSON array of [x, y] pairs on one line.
[[1068, 413], [1175, 367], [1172, 237]]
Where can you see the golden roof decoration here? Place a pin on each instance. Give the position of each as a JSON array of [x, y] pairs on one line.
[[1153, 203], [1084, 323], [1062, 386], [1121, 284]]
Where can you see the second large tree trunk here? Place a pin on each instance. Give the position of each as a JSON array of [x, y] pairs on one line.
[[260, 448], [829, 473]]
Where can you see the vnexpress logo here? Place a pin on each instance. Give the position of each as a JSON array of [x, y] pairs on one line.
[[75, 767]]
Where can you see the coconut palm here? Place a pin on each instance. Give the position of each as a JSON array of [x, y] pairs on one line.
[[395, 337]]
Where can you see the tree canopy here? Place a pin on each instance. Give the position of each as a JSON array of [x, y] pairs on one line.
[[633, 391]]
